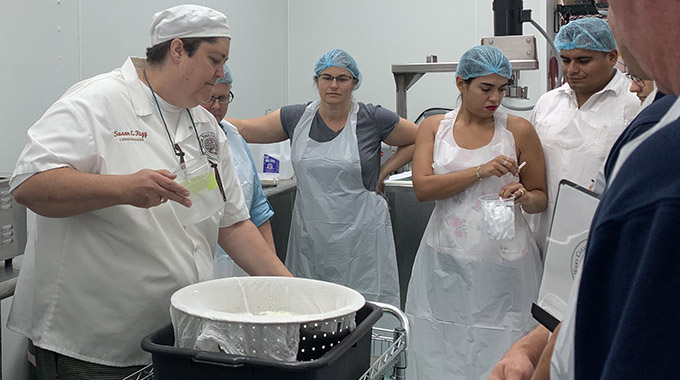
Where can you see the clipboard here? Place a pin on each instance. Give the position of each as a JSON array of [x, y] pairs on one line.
[[574, 210]]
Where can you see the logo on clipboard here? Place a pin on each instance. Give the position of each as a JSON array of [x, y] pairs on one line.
[[577, 256]]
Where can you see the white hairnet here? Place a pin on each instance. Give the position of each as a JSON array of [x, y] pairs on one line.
[[188, 20]]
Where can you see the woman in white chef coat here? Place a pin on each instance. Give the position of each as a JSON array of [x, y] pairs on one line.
[[341, 230], [469, 297], [108, 250]]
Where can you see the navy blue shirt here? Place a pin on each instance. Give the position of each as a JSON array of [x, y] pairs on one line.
[[629, 298], [645, 120]]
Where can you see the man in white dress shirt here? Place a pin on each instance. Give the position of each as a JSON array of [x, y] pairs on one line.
[[579, 121]]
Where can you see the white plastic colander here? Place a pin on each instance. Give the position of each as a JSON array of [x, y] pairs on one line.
[[280, 318]]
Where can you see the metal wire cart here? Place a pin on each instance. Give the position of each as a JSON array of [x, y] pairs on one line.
[[388, 350]]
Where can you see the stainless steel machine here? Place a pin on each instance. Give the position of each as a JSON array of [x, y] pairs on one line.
[[520, 50], [12, 224]]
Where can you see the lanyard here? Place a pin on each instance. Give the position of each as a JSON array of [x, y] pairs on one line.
[[176, 148]]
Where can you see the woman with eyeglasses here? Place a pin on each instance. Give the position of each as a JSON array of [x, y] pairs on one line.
[[340, 230], [258, 206]]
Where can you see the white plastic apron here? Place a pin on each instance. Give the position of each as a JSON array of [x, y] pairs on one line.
[[224, 265], [575, 145], [340, 231], [469, 297]]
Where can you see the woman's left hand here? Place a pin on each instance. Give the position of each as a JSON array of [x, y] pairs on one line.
[[380, 186], [517, 189]]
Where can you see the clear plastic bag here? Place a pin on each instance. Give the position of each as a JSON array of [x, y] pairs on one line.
[[499, 215]]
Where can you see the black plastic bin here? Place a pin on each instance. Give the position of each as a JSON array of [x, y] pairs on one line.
[[346, 361]]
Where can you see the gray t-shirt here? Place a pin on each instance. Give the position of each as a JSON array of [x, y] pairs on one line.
[[374, 124]]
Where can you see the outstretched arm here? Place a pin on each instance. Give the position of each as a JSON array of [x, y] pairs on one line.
[[263, 130], [250, 251], [65, 191]]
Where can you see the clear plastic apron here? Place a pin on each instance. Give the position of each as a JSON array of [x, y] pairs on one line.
[[575, 146], [340, 231], [469, 297]]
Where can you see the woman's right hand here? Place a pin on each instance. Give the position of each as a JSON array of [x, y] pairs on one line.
[[498, 166]]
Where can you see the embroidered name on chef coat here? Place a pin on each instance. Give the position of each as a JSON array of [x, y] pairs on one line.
[[131, 135]]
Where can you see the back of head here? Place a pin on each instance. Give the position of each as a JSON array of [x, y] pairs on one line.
[[338, 58], [483, 60], [228, 79], [586, 33]]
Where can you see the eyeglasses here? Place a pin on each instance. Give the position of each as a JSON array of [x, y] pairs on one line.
[[341, 79], [224, 99], [639, 81]]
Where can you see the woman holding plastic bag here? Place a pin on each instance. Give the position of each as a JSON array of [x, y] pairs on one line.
[[475, 276]]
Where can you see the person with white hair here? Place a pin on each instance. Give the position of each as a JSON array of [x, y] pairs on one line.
[[259, 208], [108, 250]]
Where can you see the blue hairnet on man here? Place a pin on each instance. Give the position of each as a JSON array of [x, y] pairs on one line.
[[586, 33], [338, 58], [579, 121], [483, 60]]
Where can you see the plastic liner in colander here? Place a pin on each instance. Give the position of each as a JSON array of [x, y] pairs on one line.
[[280, 318]]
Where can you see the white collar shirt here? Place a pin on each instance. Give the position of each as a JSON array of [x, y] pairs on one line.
[[93, 285], [576, 141]]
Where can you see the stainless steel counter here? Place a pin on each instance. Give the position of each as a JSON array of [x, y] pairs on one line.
[[282, 198], [283, 186]]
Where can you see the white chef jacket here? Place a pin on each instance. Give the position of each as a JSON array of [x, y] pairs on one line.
[[93, 285], [576, 141]]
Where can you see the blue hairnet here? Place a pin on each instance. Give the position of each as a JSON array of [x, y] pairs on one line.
[[586, 33], [227, 76], [338, 58], [483, 60]]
